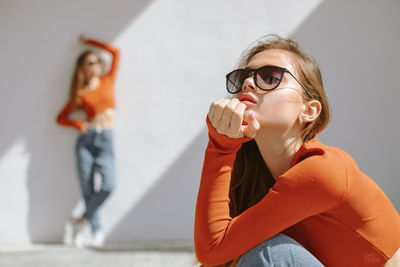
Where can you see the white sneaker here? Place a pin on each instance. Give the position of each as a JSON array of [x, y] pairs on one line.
[[98, 239], [78, 234]]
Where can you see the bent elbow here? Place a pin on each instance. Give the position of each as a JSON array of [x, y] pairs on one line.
[[203, 257], [58, 120], [115, 52], [207, 255]]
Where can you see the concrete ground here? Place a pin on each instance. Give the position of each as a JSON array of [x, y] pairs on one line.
[[67, 256]]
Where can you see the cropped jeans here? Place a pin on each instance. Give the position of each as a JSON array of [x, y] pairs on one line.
[[279, 251], [95, 156]]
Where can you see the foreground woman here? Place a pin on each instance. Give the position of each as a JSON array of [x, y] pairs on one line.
[[271, 194]]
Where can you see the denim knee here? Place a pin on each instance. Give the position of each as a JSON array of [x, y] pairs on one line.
[[280, 250], [107, 181]]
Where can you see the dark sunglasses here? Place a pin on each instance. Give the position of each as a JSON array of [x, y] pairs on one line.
[[266, 78], [91, 63]]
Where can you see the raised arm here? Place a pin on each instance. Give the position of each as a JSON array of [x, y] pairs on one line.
[[113, 50], [298, 194], [63, 117]]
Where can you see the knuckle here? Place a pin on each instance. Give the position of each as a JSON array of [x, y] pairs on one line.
[[219, 105], [213, 106], [230, 109], [214, 103]]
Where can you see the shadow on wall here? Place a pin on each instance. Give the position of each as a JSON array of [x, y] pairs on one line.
[[354, 41], [351, 41], [49, 31], [168, 207]]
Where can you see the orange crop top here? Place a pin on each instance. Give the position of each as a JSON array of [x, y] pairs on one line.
[[98, 100], [323, 201]]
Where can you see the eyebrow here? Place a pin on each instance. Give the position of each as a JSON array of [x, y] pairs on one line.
[[249, 67], [269, 65]]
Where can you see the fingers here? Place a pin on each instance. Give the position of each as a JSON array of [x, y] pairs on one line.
[[225, 122], [84, 128], [251, 129], [216, 110], [235, 129], [226, 115], [82, 38]]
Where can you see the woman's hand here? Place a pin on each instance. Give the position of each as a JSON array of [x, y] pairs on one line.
[[82, 39], [227, 116], [84, 128]]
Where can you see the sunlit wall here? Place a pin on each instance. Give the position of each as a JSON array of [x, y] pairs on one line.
[[174, 57]]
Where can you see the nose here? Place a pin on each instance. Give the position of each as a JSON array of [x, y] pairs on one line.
[[249, 84]]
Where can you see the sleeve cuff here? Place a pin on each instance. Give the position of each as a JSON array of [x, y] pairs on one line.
[[223, 142]]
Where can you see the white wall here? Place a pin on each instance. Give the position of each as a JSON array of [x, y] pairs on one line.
[[175, 55]]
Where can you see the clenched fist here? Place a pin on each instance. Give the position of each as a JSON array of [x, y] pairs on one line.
[[227, 116]]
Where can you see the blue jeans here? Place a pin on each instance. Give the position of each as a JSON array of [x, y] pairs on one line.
[[94, 153], [279, 251]]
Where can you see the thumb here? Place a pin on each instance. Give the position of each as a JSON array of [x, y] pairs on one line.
[[252, 126]]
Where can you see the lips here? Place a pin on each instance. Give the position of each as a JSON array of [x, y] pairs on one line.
[[247, 99]]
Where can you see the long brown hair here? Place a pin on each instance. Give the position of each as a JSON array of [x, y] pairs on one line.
[[78, 78], [251, 178]]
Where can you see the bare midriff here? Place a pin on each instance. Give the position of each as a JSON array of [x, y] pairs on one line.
[[104, 119]]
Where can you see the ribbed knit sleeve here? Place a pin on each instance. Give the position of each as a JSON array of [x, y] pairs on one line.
[[308, 188], [63, 117]]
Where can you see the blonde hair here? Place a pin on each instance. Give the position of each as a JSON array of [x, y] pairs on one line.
[[78, 78]]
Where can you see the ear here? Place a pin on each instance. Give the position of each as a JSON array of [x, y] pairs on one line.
[[311, 111]]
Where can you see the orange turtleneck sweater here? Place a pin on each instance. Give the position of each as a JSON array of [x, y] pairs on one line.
[[323, 201], [98, 100]]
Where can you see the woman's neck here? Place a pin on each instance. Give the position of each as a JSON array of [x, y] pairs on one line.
[[278, 150], [92, 83]]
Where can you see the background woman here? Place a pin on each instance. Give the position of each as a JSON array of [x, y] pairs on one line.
[[271, 194], [93, 92]]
